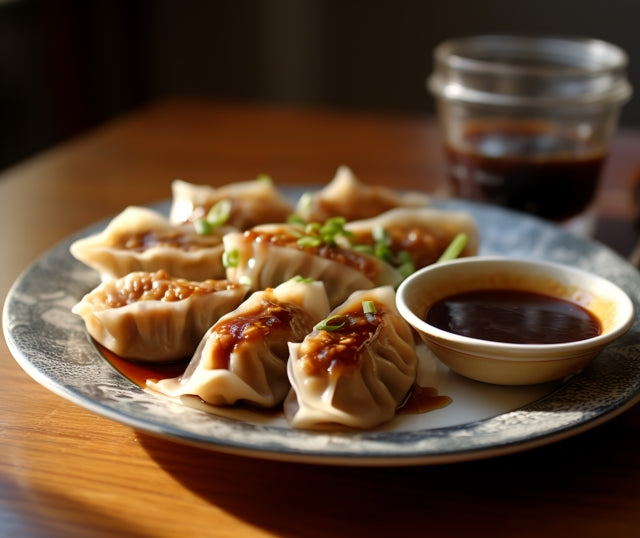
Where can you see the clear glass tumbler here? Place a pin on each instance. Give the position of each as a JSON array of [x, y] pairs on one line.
[[527, 121]]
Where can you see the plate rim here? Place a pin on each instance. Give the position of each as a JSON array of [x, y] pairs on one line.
[[383, 457]]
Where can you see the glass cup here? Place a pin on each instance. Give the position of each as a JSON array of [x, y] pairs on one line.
[[527, 121]]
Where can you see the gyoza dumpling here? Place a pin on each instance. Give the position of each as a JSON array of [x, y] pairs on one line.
[[422, 233], [346, 196], [243, 357], [153, 317], [140, 239], [252, 202], [269, 254], [355, 369]]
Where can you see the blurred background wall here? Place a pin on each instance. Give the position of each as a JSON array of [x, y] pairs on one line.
[[67, 65]]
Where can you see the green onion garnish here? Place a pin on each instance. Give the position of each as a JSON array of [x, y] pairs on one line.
[[217, 216], [380, 235], [309, 241], [330, 324], [405, 264], [296, 219], [316, 234], [455, 248], [219, 213], [202, 227], [230, 258], [312, 228], [302, 279], [369, 307], [364, 249], [334, 228], [383, 252]]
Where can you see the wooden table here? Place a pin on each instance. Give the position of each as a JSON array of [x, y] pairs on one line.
[[67, 472]]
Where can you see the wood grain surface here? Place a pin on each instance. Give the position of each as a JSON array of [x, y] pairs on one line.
[[67, 472]]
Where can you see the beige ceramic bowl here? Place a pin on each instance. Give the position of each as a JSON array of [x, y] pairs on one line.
[[514, 364]]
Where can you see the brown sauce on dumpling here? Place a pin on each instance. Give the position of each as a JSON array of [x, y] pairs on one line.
[[424, 248], [333, 350], [351, 258], [277, 323]]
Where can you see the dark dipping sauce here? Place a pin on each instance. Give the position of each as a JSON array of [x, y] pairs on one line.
[[528, 167], [513, 316]]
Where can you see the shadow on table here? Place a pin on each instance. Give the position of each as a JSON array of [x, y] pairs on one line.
[[503, 495]]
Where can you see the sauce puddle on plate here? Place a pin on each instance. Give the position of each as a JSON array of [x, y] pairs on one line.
[[419, 399]]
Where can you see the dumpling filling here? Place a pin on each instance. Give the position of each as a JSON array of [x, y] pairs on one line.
[[154, 317]]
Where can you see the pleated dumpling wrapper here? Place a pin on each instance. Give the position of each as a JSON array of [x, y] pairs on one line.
[[267, 255], [243, 357], [355, 369], [141, 239], [154, 317], [250, 202], [348, 197]]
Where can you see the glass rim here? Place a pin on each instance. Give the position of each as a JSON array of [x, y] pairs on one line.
[[497, 52], [530, 70]]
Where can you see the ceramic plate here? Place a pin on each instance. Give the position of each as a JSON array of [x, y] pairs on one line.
[[52, 346]]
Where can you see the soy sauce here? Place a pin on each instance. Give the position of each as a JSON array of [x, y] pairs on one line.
[[513, 316], [526, 166]]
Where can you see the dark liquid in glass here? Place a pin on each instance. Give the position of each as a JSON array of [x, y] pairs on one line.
[[527, 167]]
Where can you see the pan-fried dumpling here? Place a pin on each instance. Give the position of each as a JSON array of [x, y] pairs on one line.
[[346, 196], [252, 202], [269, 254], [243, 357], [153, 317], [355, 368], [141, 239], [422, 233]]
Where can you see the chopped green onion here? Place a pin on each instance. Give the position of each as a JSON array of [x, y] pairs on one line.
[[219, 213], [296, 219], [330, 324], [202, 227], [365, 249], [245, 280], [405, 264], [309, 241], [317, 234], [382, 252], [406, 269], [380, 235], [230, 258], [455, 248], [217, 216], [265, 178], [312, 227], [302, 279], [333, 228], [369, 307]]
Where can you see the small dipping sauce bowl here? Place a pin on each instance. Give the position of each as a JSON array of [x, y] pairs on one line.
[[514, 363]]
